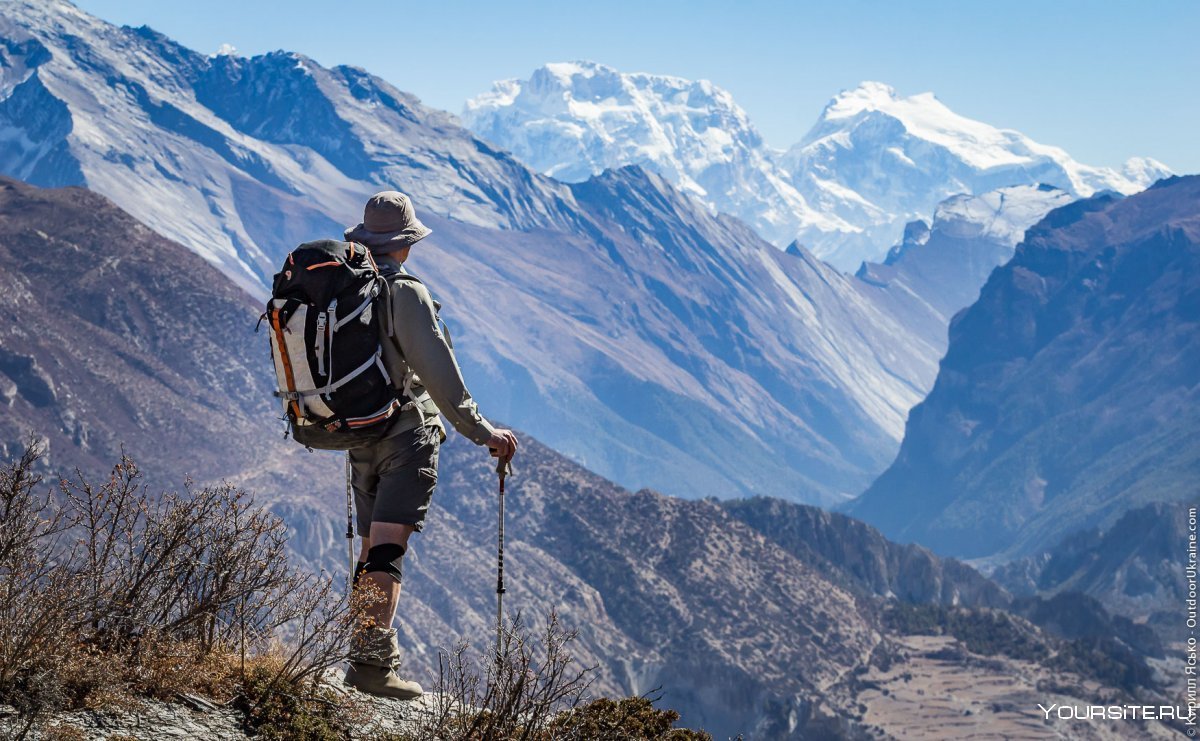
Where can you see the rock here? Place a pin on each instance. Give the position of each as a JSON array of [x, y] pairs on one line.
[[32, 382]]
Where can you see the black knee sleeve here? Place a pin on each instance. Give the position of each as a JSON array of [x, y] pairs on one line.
[[386, 558]]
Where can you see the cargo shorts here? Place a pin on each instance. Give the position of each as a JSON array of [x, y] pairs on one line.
[[394, 479]]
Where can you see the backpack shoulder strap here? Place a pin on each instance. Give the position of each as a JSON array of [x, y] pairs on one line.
[[389, 275]]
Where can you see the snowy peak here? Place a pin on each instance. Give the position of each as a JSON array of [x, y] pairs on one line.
[[586, 117], [972, 143], [922, 116], [902, 155], [573, 120], [1145, 170], [1001, 215], [867, 96]]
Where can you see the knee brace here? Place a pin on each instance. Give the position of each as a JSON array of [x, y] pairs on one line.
[[386, 558]]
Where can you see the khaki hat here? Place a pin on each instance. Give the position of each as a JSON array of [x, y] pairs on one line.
[[389, 223]]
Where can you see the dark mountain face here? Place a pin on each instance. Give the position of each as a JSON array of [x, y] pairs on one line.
[[1068, 393]]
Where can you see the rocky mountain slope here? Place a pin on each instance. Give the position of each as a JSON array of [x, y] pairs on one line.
[[115, 337], [873, 161], [1067, 396], [631, 321], [1135, 568], [239, 159], [858, 557]]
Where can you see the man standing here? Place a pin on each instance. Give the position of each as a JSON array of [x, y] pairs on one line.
[[394, 478]]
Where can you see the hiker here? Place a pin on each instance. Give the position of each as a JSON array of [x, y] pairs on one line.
[[394, 478]]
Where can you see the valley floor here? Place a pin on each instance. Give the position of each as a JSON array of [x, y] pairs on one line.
[[933, 693]]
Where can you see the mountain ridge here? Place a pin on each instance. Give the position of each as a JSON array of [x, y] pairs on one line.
[[1130, 567]]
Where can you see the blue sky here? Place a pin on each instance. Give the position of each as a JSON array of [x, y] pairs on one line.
[[1104, 80]]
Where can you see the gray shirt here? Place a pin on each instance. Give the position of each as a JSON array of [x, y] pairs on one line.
[[420, 344]]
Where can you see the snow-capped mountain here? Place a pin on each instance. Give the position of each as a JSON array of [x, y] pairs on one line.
[[574, 120], [873, 161], [879, 160]]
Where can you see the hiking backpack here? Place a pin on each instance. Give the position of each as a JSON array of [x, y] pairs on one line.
[[325, 307]]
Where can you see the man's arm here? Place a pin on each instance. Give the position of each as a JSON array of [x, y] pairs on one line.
[[426, 351]]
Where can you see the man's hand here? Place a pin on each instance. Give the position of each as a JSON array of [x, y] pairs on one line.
[[502, 444]]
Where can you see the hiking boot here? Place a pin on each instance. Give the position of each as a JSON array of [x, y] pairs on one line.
[[381, 681], [374, 656]]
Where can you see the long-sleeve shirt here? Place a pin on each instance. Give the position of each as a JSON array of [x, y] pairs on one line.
[[418, 342]]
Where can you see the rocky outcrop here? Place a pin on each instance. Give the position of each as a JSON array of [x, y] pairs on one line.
[[1134, 567], [857, 556]]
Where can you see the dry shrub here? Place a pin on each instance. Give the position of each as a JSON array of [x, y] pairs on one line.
[[532, 689], [628, 719], [510, 692], [286, 711], [109, 594]]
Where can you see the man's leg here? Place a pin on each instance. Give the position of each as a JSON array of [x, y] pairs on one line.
[[405, 467], [382, 533], [374, 652]]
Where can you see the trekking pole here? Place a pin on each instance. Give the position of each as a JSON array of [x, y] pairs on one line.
[[503, 469], [350, 527]]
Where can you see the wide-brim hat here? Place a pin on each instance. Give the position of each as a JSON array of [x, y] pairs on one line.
[[389, 223]]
